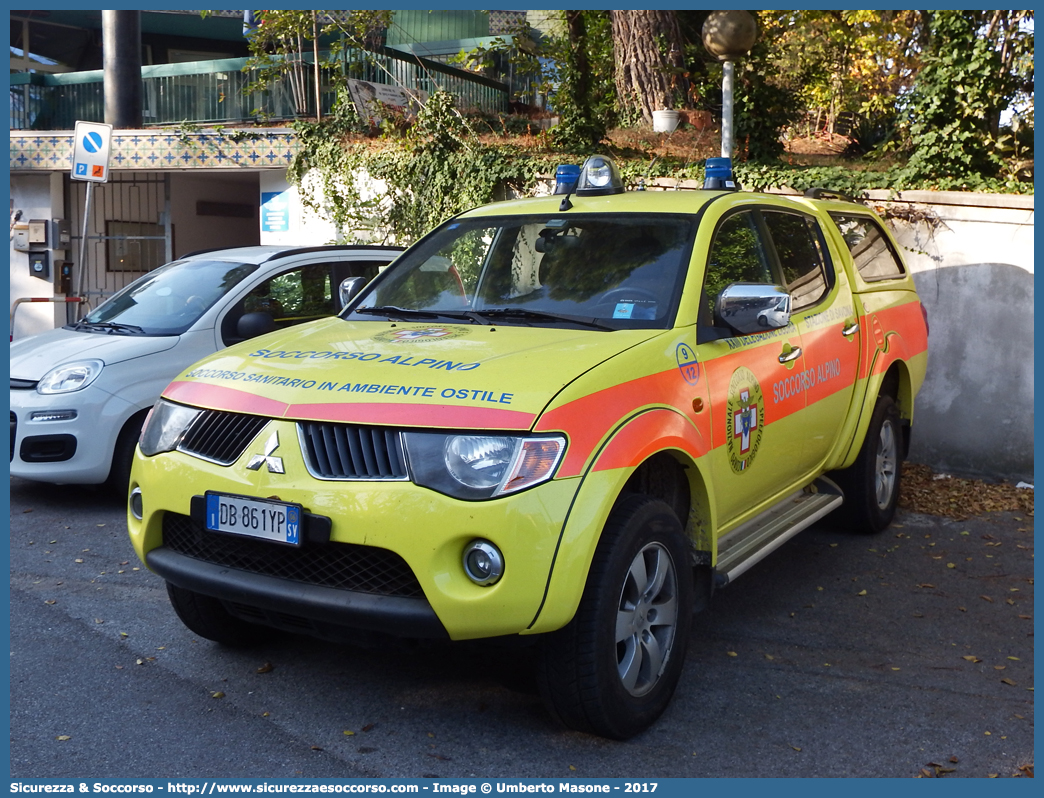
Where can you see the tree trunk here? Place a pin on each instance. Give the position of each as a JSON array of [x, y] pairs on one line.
[[649, 78]]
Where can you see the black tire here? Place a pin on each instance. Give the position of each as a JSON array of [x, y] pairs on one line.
[[641, 576], [118, 480], [871, 484], [207, 617]]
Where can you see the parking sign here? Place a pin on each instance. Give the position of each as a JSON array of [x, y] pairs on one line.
[[91, 147]]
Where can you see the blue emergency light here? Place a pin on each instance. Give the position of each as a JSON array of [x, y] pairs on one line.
[[565, 178], [718, 175]]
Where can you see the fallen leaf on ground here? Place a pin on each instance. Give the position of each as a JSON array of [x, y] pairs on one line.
[[959, 498]]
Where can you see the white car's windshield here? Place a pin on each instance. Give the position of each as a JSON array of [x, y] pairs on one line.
[[167, 301], [611, 271]]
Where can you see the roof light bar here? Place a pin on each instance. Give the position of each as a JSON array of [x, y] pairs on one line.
[[599, 177], [718, 175]]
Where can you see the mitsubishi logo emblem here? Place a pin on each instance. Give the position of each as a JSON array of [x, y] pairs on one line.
[[275, 464]]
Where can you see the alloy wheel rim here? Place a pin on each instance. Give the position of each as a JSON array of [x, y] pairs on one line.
[[646, 619], [885, 468]]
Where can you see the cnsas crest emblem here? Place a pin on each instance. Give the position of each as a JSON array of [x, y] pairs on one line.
[[745, 420], [419, 334]]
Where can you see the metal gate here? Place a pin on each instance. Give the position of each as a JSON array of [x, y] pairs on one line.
[[129, 232]]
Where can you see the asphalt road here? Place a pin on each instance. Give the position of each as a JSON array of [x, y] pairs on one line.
[[901, 655]]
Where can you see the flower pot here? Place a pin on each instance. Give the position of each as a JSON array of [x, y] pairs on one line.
[[665, 121]]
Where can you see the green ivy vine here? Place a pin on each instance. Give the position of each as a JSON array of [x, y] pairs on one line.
[[396, 188]]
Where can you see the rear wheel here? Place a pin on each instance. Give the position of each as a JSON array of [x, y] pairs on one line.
[[871, 484], [207, 617], [613, 669]]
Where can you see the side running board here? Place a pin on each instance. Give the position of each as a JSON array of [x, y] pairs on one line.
[[749, 543]]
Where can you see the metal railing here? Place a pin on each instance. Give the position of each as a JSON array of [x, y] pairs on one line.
[[216, 92]]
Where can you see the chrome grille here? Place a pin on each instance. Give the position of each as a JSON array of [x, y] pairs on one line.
[[351, 452], [219, 436], [363, 569]]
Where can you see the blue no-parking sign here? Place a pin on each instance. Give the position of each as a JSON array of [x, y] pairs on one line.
[[91, 146]]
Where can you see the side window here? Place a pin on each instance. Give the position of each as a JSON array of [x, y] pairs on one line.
[[737, 255], [873, 254], [299, 295], [797, 242]]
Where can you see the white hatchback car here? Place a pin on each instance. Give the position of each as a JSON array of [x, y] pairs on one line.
[[80, 394]]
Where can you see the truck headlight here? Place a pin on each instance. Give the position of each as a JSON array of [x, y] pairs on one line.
[[165, 427], [481, 466], [70, 377]]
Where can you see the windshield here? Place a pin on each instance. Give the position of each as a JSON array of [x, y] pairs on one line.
[[614, 271], [167, 301]]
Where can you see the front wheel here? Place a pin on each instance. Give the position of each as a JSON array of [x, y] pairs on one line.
[[613, 669], [207, 617], [871, 483]]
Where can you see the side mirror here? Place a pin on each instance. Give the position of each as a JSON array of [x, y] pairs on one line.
[[753, 307], [349, 289], [251, 325]]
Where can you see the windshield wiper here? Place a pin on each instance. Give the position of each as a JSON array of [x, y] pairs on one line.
[[109, 327], [540, 315], [393, 310]]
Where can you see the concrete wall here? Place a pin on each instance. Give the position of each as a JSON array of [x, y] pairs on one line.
[[36, 197], [972, 260], [193, 230]]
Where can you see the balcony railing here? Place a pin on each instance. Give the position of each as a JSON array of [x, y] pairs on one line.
[[215, 92]]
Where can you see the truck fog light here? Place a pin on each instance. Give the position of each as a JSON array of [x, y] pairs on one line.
[[483, 563], [136, 505]]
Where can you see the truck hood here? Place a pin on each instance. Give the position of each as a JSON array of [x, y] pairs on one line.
[[414, 375], [34, 356]]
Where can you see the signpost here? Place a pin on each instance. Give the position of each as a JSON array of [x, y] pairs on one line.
[[92, 142]]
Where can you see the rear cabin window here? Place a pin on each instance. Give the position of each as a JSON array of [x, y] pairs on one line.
[[805, 270], [874, 257]]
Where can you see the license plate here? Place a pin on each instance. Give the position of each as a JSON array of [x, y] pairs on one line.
[[255, 518]]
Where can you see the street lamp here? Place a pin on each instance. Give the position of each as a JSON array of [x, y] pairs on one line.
[[728, 36]]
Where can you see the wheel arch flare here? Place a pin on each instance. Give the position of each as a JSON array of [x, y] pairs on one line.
[[656, 451]]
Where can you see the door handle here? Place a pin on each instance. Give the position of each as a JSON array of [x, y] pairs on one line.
[[793, 354], [847, 331]]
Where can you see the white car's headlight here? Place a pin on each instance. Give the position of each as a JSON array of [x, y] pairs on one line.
[[165, 427], [70, 377], [481, 466]]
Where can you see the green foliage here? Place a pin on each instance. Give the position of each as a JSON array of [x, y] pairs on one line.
[[855, 182], [870, 133], [582, 91], [957, 100], [765, 106], [279, 44], [399, 191]]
